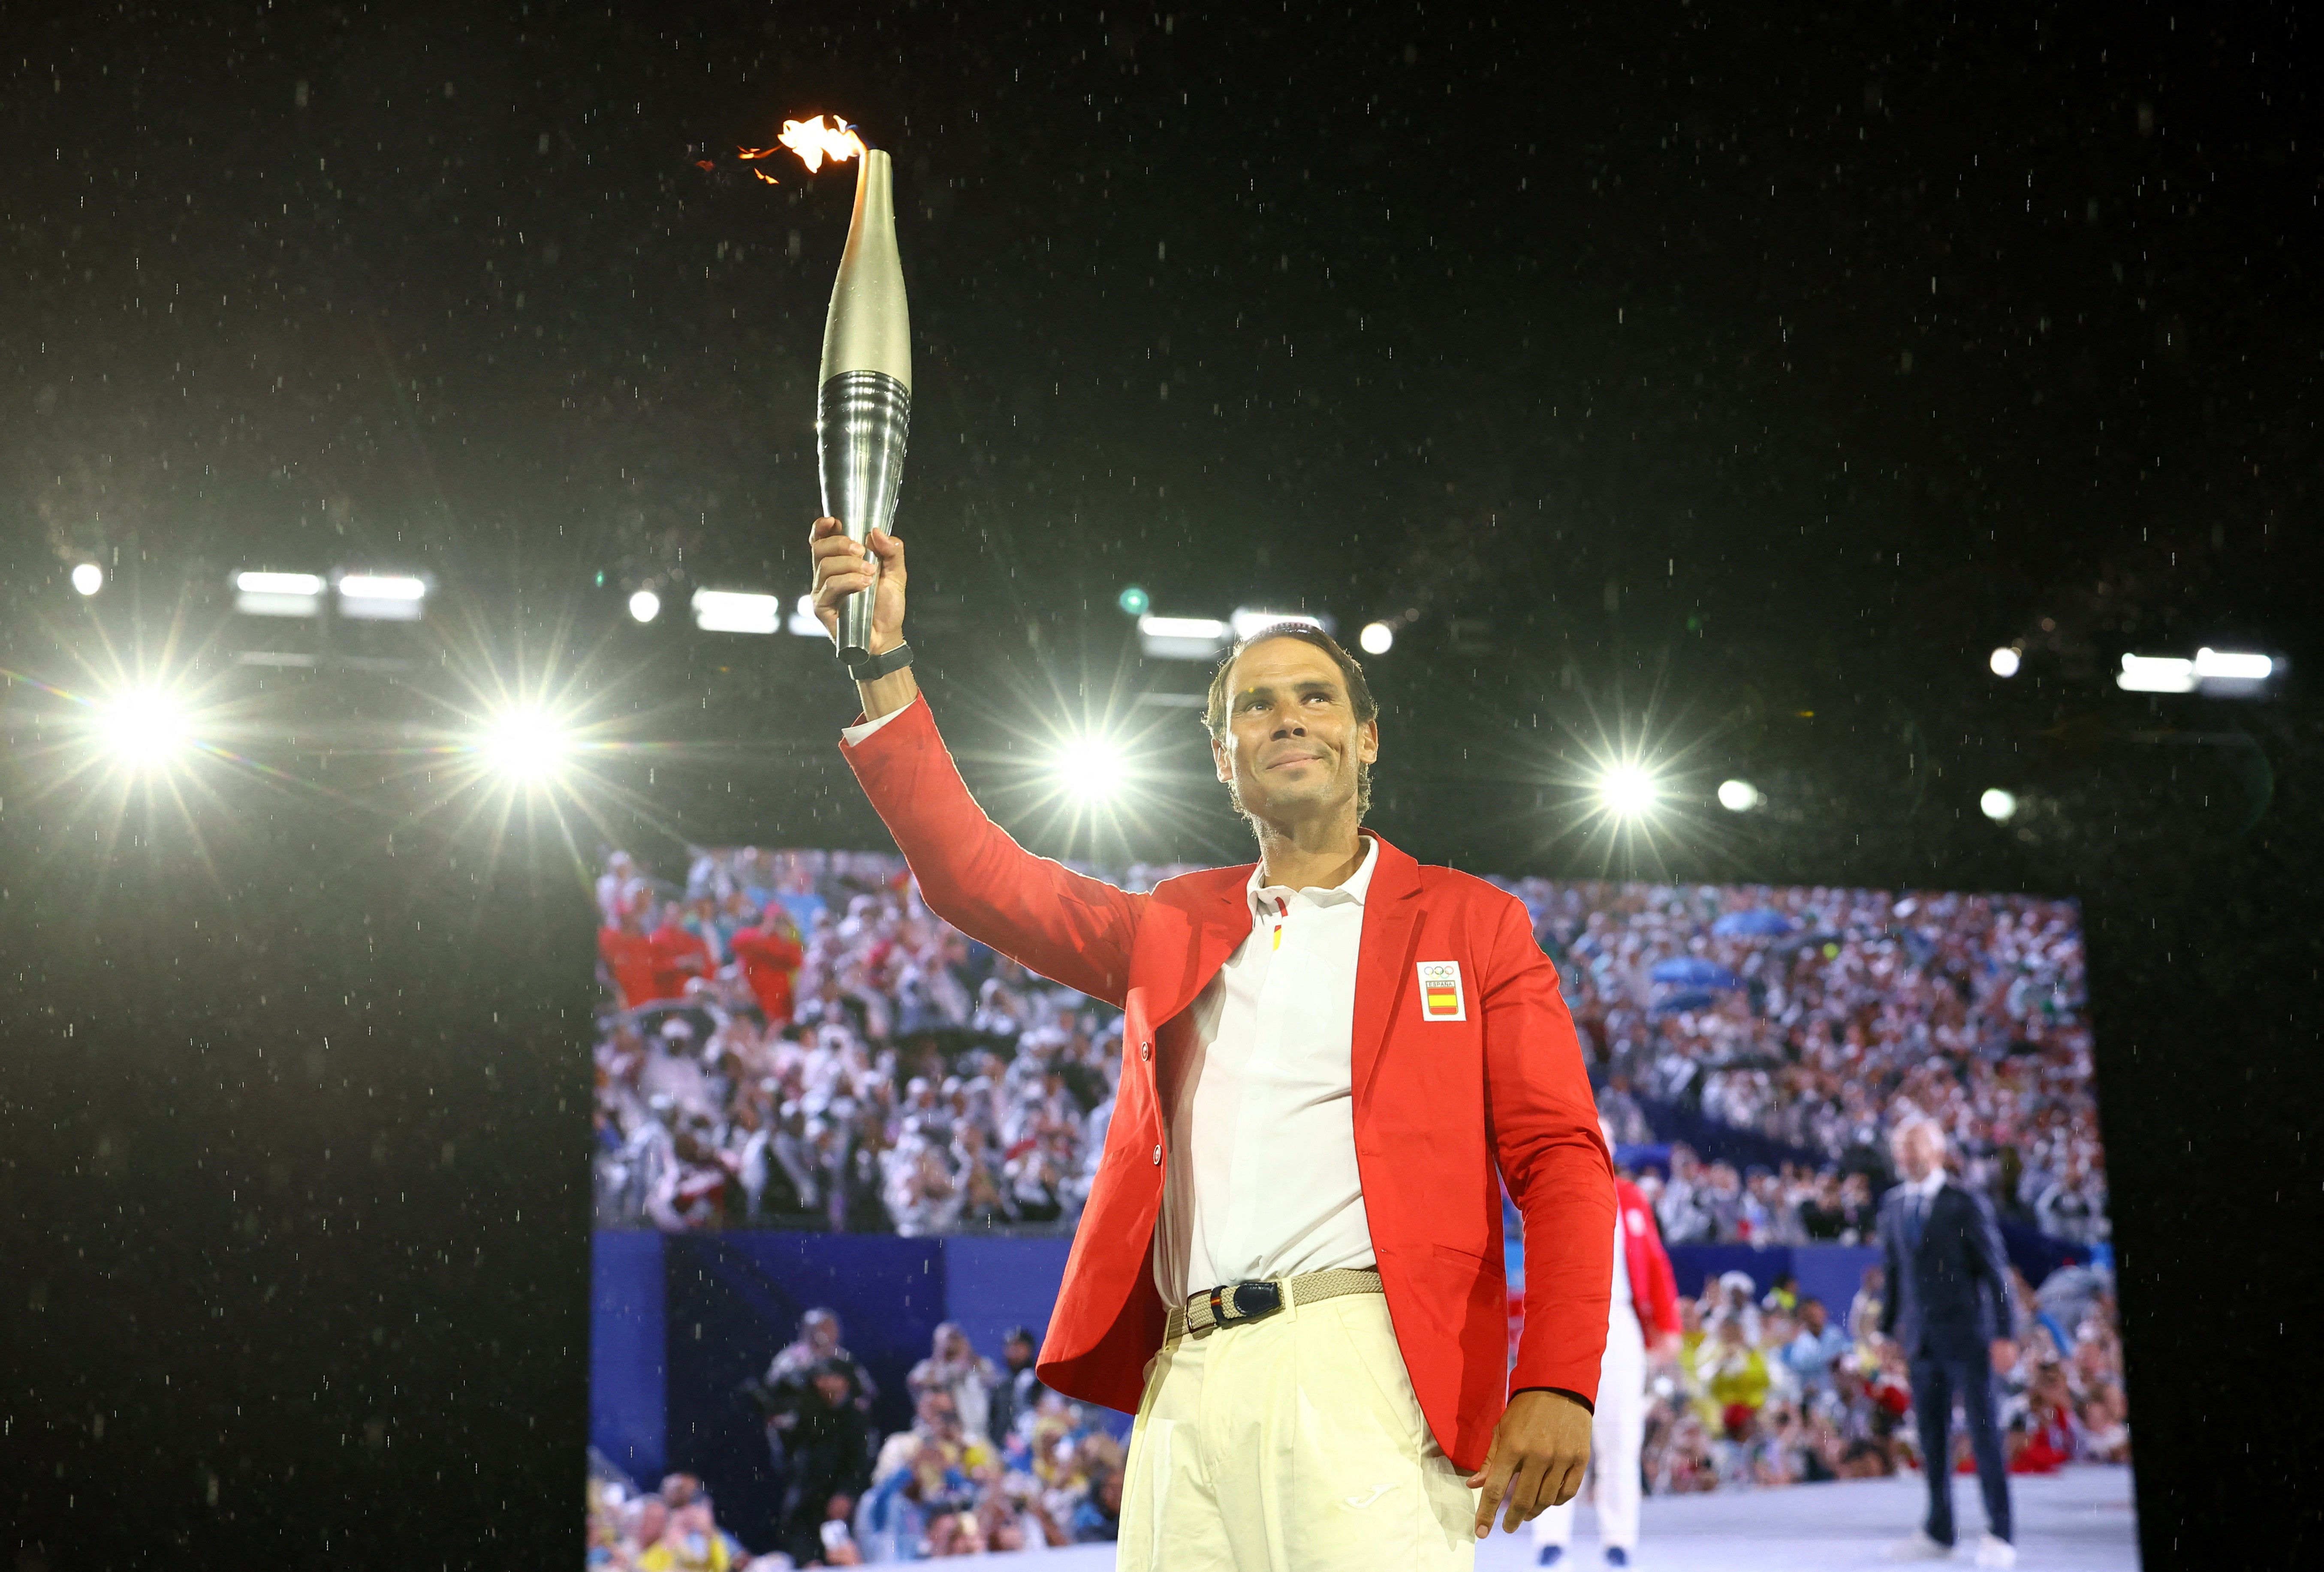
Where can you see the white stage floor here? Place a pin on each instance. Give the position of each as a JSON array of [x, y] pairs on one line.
[[2077, 1521]]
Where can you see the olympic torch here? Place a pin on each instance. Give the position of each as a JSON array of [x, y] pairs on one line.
[[864, 407]]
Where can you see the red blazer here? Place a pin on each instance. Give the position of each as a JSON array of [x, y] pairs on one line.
[[1444, 1108], [770, 960], [1654, 1288]]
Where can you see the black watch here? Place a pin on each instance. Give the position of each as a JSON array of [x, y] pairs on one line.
[[880, 665]]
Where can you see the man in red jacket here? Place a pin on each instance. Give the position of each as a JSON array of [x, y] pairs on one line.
[[629, 955], [1643, 1320], [679, 954], [1290, 1260], [770, 960]]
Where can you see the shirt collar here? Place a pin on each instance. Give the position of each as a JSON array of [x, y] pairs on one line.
[[1926, 1188], [1351, 890]]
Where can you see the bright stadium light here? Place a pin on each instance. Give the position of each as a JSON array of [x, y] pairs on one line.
[[1377, 638], [728, 611], [88, 578], [804, 622], [381, 597], [1180, 637], [2232, 666], [141, 727], [1091, 768], [525, 743], [2156, 673], [1998, 805], [1628, 791], [279, 594], [1739, 796], [644, 606], [2004, 661]]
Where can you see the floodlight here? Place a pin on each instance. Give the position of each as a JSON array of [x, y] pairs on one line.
[[644, 606], [381, 597], [1998, 805], [1091, 767], [1628, 791], [1180, 637], [728, 611], [2156, 673], [1377, 638], [279, 594], [525, 744], [2212, 664], [141, 727], [1739, 796], [804, 622], [88, 578], [2006, 660], [1133, 600]]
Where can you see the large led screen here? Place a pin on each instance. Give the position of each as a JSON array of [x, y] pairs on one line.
[[840, 1148]]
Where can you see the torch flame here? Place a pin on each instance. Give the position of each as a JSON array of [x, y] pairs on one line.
[[815, 142]]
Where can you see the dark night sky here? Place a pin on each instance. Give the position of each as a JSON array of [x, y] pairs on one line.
[[1733, 378]]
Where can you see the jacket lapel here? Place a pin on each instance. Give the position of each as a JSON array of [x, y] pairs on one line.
[[1221, 920], [1391, 923]]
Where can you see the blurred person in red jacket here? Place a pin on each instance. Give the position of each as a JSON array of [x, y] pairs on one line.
[[679, 954], [770, 957], [1290, 1263], [1642, 1320], [629, 955]]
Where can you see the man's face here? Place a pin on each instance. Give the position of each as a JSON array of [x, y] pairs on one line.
[[1919, 1150], [1292, 743], [1811, 1313]]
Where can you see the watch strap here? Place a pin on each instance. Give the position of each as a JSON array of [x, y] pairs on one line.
[[880, 665]]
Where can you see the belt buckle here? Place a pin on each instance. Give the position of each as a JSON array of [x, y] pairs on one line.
[[1237, 1303]]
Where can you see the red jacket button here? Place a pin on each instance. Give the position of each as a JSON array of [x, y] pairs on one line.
[[1158, 1154], [1146, 1050]]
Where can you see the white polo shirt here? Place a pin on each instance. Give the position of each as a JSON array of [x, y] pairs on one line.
[[1259, 1110]]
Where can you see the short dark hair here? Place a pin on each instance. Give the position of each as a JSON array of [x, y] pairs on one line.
[[1351, 672]]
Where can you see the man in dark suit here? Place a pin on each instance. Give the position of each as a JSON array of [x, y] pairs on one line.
[[1949, 1306]]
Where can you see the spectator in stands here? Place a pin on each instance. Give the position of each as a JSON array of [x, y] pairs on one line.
[[1814, 1350], [968, 1377], [1099, 1517], [628, 954], [770, 955], [678, 954], [827, 1456], [1020, 1388]]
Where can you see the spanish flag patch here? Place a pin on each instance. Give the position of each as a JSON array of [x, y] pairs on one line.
[[1441, 998]]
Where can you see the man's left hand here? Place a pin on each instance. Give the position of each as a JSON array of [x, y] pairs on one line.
[[2003, 1354], [1539, 1450]]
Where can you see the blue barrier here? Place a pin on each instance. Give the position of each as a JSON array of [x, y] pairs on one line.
[[628, 1362]]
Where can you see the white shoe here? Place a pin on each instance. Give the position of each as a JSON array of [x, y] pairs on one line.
[[1920, 1547], [1993, 1552]]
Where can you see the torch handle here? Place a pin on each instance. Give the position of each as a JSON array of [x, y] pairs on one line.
[[863, 419]]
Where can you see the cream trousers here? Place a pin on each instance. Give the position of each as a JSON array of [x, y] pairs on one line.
[[1289, 1444]]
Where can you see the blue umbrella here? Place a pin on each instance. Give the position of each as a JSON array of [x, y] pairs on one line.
[[1758, 921], [1693, 971], [1692, 998]]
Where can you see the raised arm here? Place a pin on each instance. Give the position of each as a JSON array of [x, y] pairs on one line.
[[1068, 926]]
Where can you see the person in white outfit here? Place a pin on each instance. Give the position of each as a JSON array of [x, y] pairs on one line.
[[1643, 1315]]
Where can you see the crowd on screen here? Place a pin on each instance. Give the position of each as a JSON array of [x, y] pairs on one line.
[[1768, 1389], [1822, 1018], [795, 1040], [994, 1461]]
